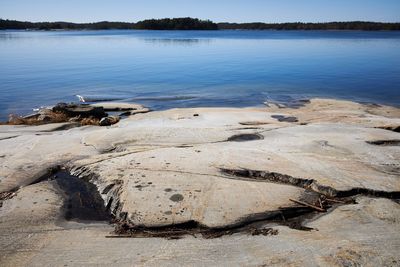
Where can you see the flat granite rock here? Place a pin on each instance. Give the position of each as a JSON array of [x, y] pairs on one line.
[[224, 167], [159, 197], [117, 106], [362, 234], [333, 154], [149, 176], [130, 108]]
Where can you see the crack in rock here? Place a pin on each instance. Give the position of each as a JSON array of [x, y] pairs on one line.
[[392, 142], [83, 201], [9, 137], [192, 228], [110, 193], [253, 224], [265, 176], [282, 118], [390, 128]]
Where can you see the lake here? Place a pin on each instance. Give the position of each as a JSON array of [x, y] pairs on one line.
[[166, 69]]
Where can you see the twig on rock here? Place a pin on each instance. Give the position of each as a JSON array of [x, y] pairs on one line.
[[307, 205]]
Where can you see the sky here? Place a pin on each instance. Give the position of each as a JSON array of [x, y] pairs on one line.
[[215, 10]]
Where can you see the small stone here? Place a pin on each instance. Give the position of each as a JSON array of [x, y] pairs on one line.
[[44, 118], [15, 119], [110, 120], [74, 119]]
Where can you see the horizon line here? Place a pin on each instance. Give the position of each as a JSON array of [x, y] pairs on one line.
[[93, 22]]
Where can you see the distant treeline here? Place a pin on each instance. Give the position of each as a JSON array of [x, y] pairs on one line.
[[151, 24], [195, 24], [351, 25], [176, 24], [25, 25]]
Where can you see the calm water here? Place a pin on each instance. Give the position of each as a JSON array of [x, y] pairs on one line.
[[164, 69]]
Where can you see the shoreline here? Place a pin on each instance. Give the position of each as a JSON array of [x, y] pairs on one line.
[[165, 176], [292, 103]]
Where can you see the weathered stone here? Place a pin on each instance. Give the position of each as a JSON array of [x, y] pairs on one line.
[[119, 106], [46, 115], [282, 118], [110, 120], [44, 118], [45, 111], [32, 116], [15, 119], [74, 119], [366, 233], [164, 168], [81, 110]]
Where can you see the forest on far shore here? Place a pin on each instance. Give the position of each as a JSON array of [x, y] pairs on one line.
[[196, 24]]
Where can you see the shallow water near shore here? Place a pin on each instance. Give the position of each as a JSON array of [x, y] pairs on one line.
[[166, 69]]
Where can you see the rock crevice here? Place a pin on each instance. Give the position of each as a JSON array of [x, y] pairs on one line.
[[265, 176]]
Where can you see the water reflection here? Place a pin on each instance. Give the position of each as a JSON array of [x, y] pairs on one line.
[[178, 41]]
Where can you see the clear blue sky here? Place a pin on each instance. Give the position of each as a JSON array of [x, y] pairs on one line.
[[216, 10]]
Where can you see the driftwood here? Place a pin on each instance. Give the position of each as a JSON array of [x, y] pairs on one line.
[[7, 195], [320, 203], [335, 201], [307, 205]]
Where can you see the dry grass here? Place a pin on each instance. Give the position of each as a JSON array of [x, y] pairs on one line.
[[89, 121], [51, 117]]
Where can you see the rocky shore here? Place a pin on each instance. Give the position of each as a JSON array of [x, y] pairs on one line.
[[79, 114], [310, 185]]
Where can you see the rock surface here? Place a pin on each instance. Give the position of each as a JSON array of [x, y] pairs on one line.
[[79, 114], [110, 120], [164, 168], [121, 106], [81, 110]]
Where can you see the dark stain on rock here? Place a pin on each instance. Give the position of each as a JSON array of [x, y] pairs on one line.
[[183, 146], [245, 137], [248, 128], [176, 197], [83, 201], [111, 186], [390, 128], [140, 187], [289, 103], [168, 212], [265, 176], [177, 231], [393, 142], [249, 123], [282, 118], [167, 189]]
